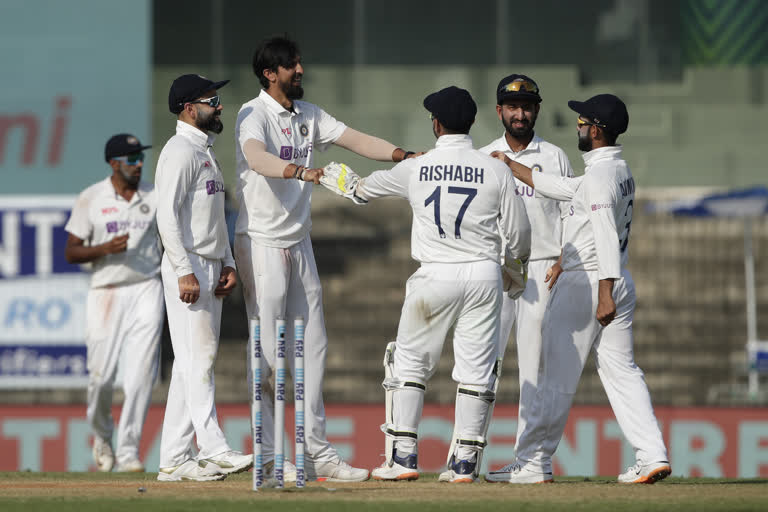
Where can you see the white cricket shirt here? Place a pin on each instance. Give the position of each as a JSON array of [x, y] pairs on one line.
[[100, 214], [273, 211], [460, 198], [543, 213], [190, 206], [599, 217]]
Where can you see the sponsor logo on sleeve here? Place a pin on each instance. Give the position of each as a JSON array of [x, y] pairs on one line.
[[213, 186], [596, 207]]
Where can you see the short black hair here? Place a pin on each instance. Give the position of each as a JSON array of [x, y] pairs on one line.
[[273, 52]]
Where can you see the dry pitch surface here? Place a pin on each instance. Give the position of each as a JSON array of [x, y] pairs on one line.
[[84, 492]]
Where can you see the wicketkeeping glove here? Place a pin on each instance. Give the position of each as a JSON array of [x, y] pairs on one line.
[[514, 276], [341, 180]]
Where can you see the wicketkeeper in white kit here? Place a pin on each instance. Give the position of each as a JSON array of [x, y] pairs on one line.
[[198, 272], [113, 227], [464, 208], [591, 305], [277, 136]]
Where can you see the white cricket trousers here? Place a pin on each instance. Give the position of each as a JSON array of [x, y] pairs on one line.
[[467, 297], [190, 410], [569, 332], [284, 283], [124, 326], [526, 315]]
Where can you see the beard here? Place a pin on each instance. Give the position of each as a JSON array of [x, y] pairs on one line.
[[209, 122], [520, 133], [585, 142], [293, 91], [131, 179]]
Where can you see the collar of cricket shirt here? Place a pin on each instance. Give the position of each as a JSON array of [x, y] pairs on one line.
[[195, 135], [454, 140], [277, 108], [604, 153]]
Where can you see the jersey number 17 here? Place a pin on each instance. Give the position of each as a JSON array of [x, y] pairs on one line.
[[434, 198]]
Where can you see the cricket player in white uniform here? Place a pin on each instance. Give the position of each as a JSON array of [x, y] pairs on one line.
[[517, 105], [591, 305], [198, 272], [464, 208], [276, 139], [113, 227]]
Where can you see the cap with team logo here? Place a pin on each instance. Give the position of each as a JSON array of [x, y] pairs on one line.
[[517, 87], [122, 144], [605, 110], [453, 107], [188, 88]]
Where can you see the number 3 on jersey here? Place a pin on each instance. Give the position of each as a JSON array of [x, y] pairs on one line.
[[434, 197]]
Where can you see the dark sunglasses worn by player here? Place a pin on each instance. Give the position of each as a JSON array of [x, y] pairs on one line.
[[132, 159], [213, 101]]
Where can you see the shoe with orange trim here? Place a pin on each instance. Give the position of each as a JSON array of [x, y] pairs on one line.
[[646, 473]]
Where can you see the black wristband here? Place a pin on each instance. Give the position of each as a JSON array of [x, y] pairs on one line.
[[407, 154], [299, 172]]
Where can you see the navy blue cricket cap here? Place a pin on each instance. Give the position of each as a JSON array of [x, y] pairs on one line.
[[122, 144], [453, 107], [604, 110], [188, 88], [517, 87]]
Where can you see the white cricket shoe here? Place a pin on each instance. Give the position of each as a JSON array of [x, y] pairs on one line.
[[334, 471], [132, 465], [289, 471], [459, 472], [231, 462], [516, 474], [646, 473], [103, 456], [394, 472], [199, 471]]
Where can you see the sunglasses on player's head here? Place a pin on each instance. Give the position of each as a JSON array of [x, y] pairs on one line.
[[213, 101], [521, 86], [132, 159]]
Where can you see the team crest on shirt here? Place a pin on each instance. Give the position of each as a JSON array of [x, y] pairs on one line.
[[303, 130], [144, 208], [536, 168]]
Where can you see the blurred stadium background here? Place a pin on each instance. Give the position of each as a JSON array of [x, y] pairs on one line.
[[694, 75]]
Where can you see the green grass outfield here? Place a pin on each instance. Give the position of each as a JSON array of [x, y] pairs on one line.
[[87, 492]]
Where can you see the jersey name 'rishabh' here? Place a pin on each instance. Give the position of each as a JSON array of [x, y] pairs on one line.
[[448, 172]]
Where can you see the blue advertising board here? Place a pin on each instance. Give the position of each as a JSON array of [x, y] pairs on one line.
[[42, 297]]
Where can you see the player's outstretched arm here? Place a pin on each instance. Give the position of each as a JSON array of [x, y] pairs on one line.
[[372, 147]]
